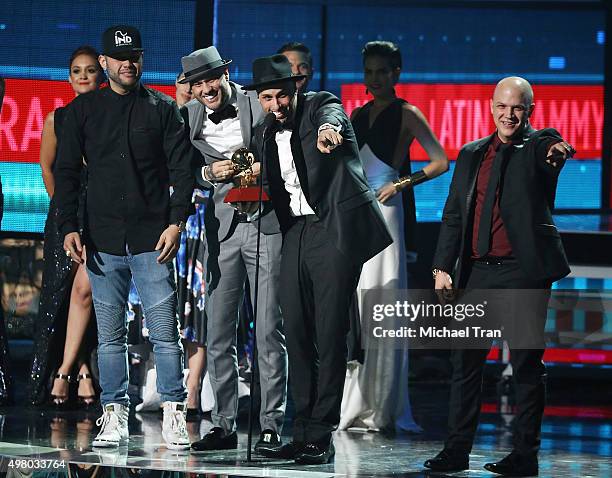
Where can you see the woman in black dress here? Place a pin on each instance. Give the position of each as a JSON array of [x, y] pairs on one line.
[[65, 335]]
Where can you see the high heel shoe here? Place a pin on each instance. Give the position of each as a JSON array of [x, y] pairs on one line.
[[61, 401], [86, 401]]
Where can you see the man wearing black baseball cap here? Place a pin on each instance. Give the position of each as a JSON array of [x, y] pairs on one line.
[[121, 56], [134, 143]]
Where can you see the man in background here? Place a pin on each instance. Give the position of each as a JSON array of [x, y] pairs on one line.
[[300, 58], [183, 90]]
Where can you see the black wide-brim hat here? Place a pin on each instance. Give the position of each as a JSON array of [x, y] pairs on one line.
[[203, 64], [270, 70]]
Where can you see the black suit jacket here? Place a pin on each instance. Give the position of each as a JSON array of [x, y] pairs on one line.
[[334, 184], [527, 195]]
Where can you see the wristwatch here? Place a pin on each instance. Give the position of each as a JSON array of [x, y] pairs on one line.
[[181, 226]]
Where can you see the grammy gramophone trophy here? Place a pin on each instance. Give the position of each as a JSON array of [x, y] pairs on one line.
[[245, 194]]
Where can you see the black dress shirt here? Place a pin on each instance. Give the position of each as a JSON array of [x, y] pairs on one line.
[[135, 148]]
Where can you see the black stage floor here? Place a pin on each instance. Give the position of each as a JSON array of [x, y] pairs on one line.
[[576, 442]]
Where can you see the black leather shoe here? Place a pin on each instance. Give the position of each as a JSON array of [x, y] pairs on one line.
[[313, 454], [515, 465], [284, 452], [216, 439], [448, 460], [269, 440]]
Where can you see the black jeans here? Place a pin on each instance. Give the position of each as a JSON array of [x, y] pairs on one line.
[[317, 284], [529, 372]]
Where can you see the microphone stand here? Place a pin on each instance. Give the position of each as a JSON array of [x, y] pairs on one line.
[[268, 121]]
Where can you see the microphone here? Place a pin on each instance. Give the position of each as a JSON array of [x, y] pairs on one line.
[[268, 121]]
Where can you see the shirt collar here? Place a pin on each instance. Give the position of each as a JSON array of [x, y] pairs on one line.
[[518, 141], [113, 94], [497, 142]]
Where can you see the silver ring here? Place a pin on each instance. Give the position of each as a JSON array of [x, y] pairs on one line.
[[67, 253]]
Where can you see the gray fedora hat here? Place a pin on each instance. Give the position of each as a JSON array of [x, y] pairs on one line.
[[202, 64]]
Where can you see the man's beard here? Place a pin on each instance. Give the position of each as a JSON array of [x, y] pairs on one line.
[[116, 77]]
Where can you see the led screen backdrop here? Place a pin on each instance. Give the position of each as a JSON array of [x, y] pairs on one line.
[[36, 40], [452, 58]]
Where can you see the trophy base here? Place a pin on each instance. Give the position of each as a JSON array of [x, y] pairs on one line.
[[248, 194]]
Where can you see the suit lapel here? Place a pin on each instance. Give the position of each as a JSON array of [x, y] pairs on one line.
[[198, 120], [272, 163], [296, 147], [477, 158], [244, 112]]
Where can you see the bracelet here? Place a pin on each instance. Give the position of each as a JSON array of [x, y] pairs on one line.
[[205, 173], [401, 182], [410, 180]]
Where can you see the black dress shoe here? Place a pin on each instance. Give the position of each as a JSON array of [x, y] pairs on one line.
[[515, 465], [284, 452], [314, 454], [448, 460], [269, 442], [216, 439]]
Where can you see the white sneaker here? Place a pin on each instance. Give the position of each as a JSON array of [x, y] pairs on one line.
[[174, 427], [113, 426]]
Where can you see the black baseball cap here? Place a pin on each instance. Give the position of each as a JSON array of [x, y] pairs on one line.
[[121, 41]]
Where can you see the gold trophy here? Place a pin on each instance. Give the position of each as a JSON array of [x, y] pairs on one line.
[[244, 196]]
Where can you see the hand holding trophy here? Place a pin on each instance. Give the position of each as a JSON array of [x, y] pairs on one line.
[[245, 194]]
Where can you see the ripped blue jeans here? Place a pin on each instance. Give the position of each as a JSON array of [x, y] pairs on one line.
[[110, 283]]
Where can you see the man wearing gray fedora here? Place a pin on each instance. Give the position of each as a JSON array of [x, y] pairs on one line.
[[219, 121]]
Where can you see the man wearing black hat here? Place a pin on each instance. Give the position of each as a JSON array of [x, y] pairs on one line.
[[219, 121], [331, 226], [134, 143]]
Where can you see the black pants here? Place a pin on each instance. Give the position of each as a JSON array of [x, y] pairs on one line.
[[528, 370], [317, 284]]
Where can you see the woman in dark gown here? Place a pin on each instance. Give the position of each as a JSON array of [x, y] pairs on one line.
[[65, 334]]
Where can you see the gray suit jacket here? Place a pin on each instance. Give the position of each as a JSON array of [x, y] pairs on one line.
[[219, 216]]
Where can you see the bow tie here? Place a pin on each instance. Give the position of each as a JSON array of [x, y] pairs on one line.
[[226, 113]]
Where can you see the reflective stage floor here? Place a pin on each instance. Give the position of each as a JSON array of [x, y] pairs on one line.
[[576, 442]]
